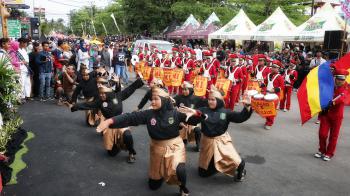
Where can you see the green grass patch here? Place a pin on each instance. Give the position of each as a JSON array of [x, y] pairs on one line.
[[18, 164]]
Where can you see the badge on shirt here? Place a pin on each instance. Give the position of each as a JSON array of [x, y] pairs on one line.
[[153, 121], [192, 106], [181, 104], [223, 116], [104, 104], [171, 120], [115, 101]]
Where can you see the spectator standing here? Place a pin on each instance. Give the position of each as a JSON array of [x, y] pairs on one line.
[[318, 60], [44, 61], [35, 68], [26, 72], [83, 55]]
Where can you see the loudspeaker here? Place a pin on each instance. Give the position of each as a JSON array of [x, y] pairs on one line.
[[34, 28], [333, 40]]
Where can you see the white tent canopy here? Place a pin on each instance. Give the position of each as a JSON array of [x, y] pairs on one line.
[[211, 19], [190, 21], [238, 28], [313, 30], [277, 27]]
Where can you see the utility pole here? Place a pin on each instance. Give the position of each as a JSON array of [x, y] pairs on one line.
[[312, 7], [4, 15]]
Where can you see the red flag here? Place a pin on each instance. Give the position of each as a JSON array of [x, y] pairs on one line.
[[343, 62], [347, 97]]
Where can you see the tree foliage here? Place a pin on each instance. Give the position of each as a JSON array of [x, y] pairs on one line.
[[53, 25], [137, 16]]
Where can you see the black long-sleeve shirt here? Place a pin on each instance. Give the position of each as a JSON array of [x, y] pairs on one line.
[[190, 101], [217, 121], [144, 100], [113, 106], [89, 88], [160, 125]]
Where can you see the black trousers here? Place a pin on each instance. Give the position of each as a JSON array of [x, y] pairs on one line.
[[181, 176], [129, 143]]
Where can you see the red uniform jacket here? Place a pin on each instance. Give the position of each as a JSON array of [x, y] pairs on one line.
[[238, 74], [216, 63], [337, 110], [166, 63], [244, 72], [288, 79], [264, 73], [176, 61], [156, 62], [278, 83], [212, 70]]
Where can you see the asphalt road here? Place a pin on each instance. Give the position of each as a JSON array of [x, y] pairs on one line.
[[67, 158]]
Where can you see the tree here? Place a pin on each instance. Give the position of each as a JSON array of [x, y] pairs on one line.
[[137, 16]]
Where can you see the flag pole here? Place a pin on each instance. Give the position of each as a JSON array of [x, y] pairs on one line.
[[103, 24], [344, 38], [115, 22], [93, 27]]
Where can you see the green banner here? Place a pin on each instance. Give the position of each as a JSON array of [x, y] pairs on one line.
[[14, 28]]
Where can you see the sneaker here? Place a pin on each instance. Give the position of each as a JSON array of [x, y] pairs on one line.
[[50, 98], [184, 191], [42, 99], [318, 155], [326, 158], [131, 158], [267, 127], [285, 110], [242, 177], [317, 122]]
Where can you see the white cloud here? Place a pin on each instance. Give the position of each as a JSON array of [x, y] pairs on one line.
[[60, 8]]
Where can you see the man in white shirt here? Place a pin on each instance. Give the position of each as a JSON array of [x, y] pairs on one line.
[[25, 70], [318, 60], [198, 53], [110, 50]]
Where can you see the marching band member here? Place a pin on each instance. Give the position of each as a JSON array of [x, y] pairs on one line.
[[189, 65], [155, 59], [214, 61], [167, 150], [331, 118], [274, 83], [242, 65], [164, 62], [217, 153], [235, 75], [208, 69], [175, 59], [290, 76], [248, 70], [111, 104], [261, 70]]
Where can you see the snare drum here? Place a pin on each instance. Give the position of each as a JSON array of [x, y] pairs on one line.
[[271, 97]]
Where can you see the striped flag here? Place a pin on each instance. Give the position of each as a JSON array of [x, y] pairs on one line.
[[316, 91], [344, 63]]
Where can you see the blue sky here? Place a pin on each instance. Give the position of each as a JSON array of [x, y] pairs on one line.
[[60, 8]]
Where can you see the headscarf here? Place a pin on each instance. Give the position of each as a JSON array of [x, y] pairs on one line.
[[166, 99], [82, 48], [218, 96]]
